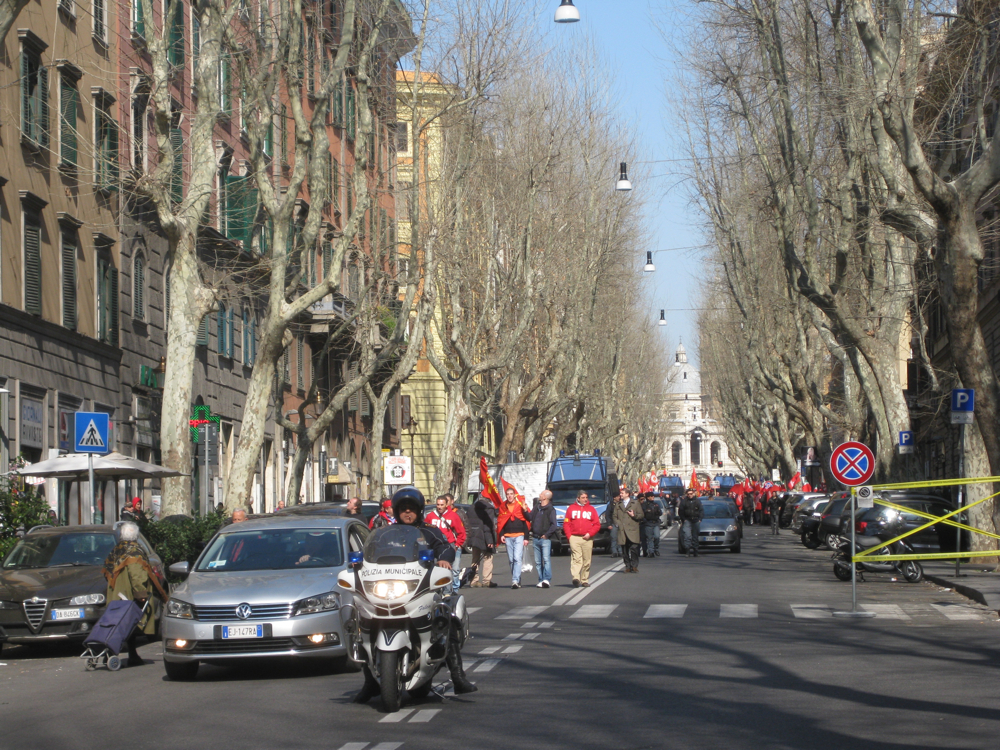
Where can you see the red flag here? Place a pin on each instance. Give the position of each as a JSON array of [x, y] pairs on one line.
[[490, 491], [806, 487], [695, 484], [793, 482]]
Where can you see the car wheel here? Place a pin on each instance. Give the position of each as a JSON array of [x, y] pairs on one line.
[[809, 540], [736, 547], [181, 671], [832, 541]]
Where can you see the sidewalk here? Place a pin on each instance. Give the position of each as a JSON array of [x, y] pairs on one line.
[[977, 581]]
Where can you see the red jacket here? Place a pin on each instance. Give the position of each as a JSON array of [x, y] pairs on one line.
[[580, 520], [450, 524]]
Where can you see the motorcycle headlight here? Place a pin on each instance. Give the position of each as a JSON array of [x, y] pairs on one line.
[[389, 589], [313, 604], [731, 527], [79, 601], [182, 610]]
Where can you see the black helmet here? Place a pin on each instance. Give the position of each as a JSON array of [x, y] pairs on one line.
[[408, 497]]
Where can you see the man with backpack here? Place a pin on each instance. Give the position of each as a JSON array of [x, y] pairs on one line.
[[690, 513]]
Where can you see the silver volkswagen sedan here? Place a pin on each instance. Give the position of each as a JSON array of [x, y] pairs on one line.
[[262, 588]]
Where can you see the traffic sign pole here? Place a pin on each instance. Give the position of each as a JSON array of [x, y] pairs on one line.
[[93, 493], [853, 464]]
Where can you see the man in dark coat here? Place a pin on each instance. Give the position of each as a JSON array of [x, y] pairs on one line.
[[543, 525], [628, 517], [651, 522], [691, 512], [482, 537]]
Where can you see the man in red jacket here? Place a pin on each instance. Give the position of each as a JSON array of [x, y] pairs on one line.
[[451, 526], [581, 525]]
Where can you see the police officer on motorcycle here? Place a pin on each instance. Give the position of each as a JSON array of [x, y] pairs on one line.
[[408, 509]]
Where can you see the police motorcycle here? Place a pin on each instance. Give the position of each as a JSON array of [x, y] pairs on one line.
[[405, 625], [887, 525]]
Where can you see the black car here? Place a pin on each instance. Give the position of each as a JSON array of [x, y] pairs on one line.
[[940, 537], [793, 500], [829, 524], [52, 584], [807, 508]]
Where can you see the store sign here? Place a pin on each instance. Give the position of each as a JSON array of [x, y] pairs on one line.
[[397, 470], [32, 419]]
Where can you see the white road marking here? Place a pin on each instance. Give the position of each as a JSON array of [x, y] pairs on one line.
[[958, 611], [512, 649], [396, 717], [574, 600], [487, 665], [598, 578], [530, 636], [522, 613], [738, 610], [548, 624], [490, 650], [387, 746], [665, 610], [594, 611], [471, 610], [812, 611], [425, 715], [515, 636], [354, 746], [528, 624], [886, 611]]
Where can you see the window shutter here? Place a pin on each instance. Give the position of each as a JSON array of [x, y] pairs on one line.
[[299, 374], [99, 17], [32, 265], [138, 22], [253, 338], [283, 134], [138, 289], [67, 124], [175, 53], [365, 403], [27, 101], [286, 366], [336, 185], [113, 317], [220, 340], [42, 93], [350, 114], [230, 332], [202, 339], [177, 175], [354, 400], [246, 335], [392, 411], [338, 105], [69, 281], [166, 298], [327, 258], [241, 208]]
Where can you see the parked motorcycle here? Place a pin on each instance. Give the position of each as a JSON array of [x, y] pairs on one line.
[[404, 622], [911, 570]]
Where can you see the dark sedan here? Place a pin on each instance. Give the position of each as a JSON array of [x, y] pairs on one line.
[[939, 537], [52, 583]]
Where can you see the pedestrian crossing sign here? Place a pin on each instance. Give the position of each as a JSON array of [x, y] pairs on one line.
[[91, 432]]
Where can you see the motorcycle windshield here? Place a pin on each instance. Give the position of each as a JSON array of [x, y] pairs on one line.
[[395, 545]]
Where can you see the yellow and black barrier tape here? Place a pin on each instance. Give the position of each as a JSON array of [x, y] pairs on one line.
[[927, 556]]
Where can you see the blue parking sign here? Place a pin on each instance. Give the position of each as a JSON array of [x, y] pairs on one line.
[[906, 442], [91, 433], [963, 405]]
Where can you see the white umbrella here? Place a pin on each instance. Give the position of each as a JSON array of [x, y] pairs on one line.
[[110, 466]]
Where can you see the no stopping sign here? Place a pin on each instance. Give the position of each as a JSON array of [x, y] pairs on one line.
[[852, 463]]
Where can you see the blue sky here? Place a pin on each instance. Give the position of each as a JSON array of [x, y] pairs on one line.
[[644, 67]]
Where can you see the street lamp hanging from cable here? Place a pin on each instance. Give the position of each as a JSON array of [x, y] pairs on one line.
[[623, 184], [567, 13], [663, 318], [649, 267]]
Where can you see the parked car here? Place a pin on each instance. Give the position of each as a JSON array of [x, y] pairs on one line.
[[829, 523], [940, 537], [718, 529], [807, 508], [263, 589], [792, 502], [52, 584]]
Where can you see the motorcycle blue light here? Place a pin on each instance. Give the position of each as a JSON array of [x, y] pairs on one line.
[[354, 558], [426, 555]]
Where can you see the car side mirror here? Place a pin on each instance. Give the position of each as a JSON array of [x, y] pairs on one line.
[[345, 580], [180, 568]]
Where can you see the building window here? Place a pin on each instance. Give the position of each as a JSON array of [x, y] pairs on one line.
[[138, 22], [402, 132], [354, 400], [224, 340], [101, 21], [107, 298], [174, 15], [177, 172], [300, 377], [202, 337], [139, 287], [69, 103], [675, 454], [34, 93], [69, 251], [105, 145], [286, 366], [32, 262], [140, 110], [249, 337], [225, 85], [240, 207]]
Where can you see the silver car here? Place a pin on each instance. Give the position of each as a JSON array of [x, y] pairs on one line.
[[262, 588], [719, 528]]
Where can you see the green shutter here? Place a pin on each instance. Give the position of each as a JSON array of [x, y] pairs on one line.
[[68, 107], [253, 338], [220, 340], [241, 208], [299, 375], [177, 174], [138, 289], [69, 281], [225, 85], [230, 332], [175, 52], [138, 22], [269, 137], [32, 265], [113, 312], [202, 339], [195, 43], [245, 349], [42, 97], [107, 150], [27, 101], [336, 185], [327, 258], [283, 131], [338, 105], [350, 114]]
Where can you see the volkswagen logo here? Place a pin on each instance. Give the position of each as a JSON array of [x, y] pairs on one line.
[[243, 611]]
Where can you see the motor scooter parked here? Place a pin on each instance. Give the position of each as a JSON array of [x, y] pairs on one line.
[[887, 528]]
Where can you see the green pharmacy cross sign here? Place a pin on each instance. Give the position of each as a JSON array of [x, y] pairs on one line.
[[202, 415]]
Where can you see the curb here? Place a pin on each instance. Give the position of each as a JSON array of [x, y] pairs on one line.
[[967, 591]]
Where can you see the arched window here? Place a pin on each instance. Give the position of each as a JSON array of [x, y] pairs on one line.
[[675, 451], [695, 448], [139, 287], [716, 452]]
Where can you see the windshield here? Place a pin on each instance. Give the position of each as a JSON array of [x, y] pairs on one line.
[[595, 496], [717, 510], [50, 551], [395, 545], [273, 549]]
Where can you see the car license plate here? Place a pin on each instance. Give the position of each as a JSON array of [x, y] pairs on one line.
[[242, 631], [66, 614]]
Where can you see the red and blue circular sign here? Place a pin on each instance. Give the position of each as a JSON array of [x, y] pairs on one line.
[[852, 463]]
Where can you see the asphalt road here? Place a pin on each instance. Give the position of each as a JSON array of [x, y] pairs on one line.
[[724, 650]]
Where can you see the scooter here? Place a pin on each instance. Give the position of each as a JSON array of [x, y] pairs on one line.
[[403, 622], [911, 570]]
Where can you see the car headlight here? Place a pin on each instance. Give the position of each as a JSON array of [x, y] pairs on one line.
[[389, 589], [321, 603], [177, 608], [8, 605], [79, 601], [731, 527]]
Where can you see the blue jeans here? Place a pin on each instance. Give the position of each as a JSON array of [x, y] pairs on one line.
[[515, 554], [652, 538], [456, 570], [543, 558]]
